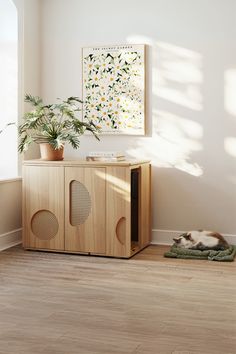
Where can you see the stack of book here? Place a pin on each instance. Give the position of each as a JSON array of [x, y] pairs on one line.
[[109, 156]]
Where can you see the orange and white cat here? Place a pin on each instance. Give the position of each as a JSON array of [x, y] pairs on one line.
[[201, 240]]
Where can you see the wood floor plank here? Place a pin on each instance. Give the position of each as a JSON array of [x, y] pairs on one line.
[[67, 304]]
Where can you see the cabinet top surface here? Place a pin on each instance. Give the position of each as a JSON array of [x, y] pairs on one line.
[[40, 162]]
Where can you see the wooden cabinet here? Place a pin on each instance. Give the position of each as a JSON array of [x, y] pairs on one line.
[[87, 207]]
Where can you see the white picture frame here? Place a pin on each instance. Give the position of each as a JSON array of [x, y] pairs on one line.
[[114, 88]]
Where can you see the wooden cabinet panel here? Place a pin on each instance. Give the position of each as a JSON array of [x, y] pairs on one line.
[[145, 205], [43, 208], [118, 212], [88, 233]]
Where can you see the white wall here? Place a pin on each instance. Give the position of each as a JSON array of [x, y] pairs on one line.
[[191, 96], [30, 46], [10, 215], [29, 81], [8, 87]]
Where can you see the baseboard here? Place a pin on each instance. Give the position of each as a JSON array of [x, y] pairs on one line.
[[165, 237], [10, 239], [159, 237]]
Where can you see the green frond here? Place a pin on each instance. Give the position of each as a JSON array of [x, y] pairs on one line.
[[34, 100], [68, 112], [74, 141], [56, 144], [73, 99], [25, 141]]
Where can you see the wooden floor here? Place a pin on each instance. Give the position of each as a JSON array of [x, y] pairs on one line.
[[70, 304]]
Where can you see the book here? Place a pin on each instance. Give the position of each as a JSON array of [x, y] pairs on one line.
[[106, 154], [105, 159]]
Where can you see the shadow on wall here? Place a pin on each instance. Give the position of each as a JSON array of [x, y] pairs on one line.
[[177, 78]]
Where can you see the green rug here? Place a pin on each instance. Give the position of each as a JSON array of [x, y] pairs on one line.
[[212, 255]]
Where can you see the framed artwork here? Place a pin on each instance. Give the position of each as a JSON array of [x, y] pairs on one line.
[[114, 88]]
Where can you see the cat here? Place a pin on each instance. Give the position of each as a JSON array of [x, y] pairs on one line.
[[201, 240]]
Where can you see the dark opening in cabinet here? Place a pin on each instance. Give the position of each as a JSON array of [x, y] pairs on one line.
[[135, 185]]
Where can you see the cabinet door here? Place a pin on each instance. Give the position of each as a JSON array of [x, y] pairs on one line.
[[85, 209], [43, 207], [118, 222]]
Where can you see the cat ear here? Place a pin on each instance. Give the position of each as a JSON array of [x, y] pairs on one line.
[[188, 236]]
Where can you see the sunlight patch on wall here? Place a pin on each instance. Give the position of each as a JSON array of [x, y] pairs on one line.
[[177, 75], [230, 146], [177, 78], [230, 90], [137, 39], [174, 140]]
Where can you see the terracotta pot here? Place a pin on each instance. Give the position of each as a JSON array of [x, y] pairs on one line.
[[49, 154]]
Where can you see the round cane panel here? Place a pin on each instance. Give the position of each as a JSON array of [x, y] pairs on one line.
[[44, 225]]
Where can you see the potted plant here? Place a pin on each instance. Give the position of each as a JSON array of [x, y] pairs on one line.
[[53, 125]]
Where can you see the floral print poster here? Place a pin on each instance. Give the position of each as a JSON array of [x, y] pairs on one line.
[[114, 88]]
